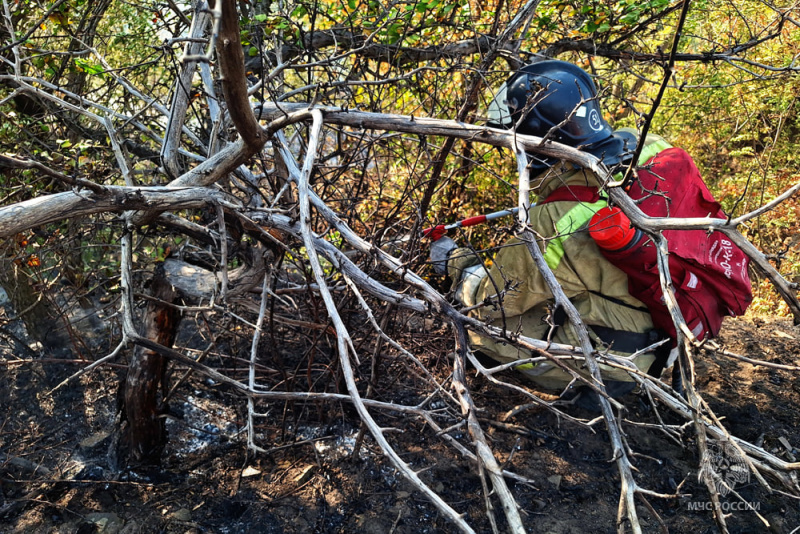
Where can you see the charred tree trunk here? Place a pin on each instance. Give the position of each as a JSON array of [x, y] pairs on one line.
[[145, 381]]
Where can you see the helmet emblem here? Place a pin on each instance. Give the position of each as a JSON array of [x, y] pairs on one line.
[[594, 121]]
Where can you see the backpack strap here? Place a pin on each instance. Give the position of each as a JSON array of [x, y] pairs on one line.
[[573, 193], [591, 194]]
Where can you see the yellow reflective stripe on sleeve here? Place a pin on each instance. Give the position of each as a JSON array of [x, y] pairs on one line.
[[565, 227], [652, 149]]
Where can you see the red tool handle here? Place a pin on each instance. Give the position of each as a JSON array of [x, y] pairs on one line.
[[438, 231], [435, 233], [470, 221]]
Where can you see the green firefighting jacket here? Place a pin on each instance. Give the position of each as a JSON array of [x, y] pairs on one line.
[[598, 289]]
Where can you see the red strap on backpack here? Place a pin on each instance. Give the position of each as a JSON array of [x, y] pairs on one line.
[[709, 272], [573, 193]]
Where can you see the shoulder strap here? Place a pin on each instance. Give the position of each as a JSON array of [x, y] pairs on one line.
[[573, 193], [591, 194]]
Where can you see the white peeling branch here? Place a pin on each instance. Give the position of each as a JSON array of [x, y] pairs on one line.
[[686, 364], [181, 95], [251, 372], [216, 13], [482, 449], [343, 336], [363, 120], [524, 200], [46, 209], [129, 331], [122, 161]]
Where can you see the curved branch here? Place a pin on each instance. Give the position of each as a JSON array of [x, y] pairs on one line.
[[181, 94], [47, 209], [398, 55], [627, 505], [234, 79]]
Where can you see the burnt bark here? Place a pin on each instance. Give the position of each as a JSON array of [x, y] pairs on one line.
[[146, 378]]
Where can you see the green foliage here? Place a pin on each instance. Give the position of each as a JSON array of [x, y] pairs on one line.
[[578, 19], [739, 121], [89, 67], [742, 130]]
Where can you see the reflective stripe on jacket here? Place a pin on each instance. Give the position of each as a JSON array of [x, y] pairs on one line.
[[598, 289]]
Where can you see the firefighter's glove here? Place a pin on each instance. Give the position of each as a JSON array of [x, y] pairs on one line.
[[440, 251]]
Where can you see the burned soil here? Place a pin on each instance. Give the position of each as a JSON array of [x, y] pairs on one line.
[[61, 467]]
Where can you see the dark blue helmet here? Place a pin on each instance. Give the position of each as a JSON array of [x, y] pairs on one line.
[[559, 98]]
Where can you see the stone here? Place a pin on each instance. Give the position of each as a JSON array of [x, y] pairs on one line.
[[555, 480], [94, 441], [106, 523], [182, 514], [250, 472]]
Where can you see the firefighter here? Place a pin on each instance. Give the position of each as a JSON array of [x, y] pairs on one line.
[[559, 99]]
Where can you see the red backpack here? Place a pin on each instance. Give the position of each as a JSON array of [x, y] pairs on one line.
[[709, 272]]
